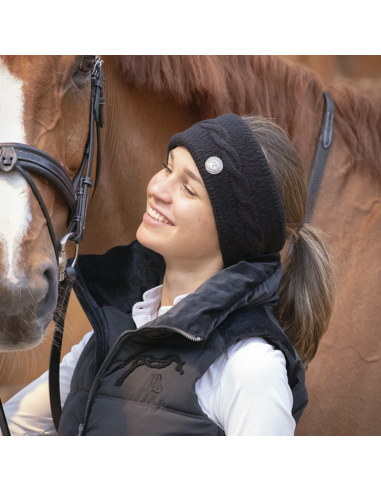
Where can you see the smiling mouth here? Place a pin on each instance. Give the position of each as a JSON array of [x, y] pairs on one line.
[[157, 216]]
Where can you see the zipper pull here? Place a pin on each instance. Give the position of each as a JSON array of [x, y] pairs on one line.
[[81, 426]]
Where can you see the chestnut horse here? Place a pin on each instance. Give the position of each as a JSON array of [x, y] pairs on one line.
[[44, 102], [150, 98]]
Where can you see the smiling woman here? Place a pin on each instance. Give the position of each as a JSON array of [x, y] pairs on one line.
[[177, 193], [186, 338]]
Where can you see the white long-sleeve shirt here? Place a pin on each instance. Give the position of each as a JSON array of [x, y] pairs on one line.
[[245, 391]]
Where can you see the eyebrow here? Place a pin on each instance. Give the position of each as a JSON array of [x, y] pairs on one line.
[[188, 172]]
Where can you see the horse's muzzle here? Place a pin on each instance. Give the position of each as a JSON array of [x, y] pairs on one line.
[[26, 308]]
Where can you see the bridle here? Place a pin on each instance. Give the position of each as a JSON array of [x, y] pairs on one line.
[[26, 159]]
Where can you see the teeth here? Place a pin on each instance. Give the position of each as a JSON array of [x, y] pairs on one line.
[[157, 216]]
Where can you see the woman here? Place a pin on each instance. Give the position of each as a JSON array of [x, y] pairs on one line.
[[203, 353]]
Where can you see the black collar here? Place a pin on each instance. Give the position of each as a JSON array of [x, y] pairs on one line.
[[121, 276]]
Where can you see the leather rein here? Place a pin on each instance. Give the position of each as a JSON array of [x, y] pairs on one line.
[[25, 159], [321, 156]]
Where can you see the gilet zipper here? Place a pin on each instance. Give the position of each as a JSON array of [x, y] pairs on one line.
[[108, 358]]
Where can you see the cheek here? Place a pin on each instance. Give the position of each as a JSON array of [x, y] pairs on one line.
[[199, 222]]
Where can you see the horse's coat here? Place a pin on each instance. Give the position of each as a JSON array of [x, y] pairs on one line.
[[11, 107]]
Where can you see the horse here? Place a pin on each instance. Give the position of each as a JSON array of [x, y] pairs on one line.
[[45, 104], [150, 98]]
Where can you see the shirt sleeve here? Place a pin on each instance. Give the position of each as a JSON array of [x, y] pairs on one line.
[[252, 396], [28, 412]]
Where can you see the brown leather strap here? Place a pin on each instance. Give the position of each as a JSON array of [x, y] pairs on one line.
[[64, 290]]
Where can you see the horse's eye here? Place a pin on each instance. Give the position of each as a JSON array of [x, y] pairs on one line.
[[86, 64]]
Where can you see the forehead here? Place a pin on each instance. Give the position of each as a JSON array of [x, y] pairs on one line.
[[181, 156], [183, 161]]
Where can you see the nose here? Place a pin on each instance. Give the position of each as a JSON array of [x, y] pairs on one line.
[[161, 190]]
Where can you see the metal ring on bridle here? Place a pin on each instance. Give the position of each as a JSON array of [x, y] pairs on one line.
[[62, 257]]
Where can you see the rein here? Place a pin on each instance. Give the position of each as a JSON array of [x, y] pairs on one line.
[[321, 156], [25, 159]]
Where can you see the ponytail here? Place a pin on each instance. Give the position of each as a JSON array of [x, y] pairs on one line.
[[306, 291], [307, 287]]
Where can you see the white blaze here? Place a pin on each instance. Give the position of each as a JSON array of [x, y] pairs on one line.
[[15, 214], [11, 107]]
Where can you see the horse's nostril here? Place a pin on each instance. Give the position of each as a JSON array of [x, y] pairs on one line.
[[50, 275], [49, 300], [27, 307]]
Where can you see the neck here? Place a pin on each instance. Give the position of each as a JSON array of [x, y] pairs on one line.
[[181, 278]]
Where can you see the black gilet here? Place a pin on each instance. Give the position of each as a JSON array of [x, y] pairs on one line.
[[131, 381]]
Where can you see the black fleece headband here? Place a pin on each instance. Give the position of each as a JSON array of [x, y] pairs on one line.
[[246, 203]]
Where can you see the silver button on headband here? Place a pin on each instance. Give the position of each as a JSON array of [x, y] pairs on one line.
[[214, 165]]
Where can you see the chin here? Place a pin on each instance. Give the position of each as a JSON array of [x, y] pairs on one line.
[[145, 238]]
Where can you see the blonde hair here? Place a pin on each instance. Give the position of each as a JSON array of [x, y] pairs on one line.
[[307, 287]]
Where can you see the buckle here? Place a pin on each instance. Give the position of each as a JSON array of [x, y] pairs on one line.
[[97, 63], [8, 158]]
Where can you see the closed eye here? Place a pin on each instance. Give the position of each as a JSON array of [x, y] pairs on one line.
[[169, 171]]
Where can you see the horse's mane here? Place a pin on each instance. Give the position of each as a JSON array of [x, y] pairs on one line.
[[358, 122], [218, 84], [266, 85]]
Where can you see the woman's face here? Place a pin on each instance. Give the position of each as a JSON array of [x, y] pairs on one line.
[[184, 229]]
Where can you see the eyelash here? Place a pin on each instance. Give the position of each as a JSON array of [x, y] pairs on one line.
[[167, 169]]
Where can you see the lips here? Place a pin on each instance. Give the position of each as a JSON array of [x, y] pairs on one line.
[[156, 214]]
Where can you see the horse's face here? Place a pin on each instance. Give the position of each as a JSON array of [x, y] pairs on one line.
[[44, 102]]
